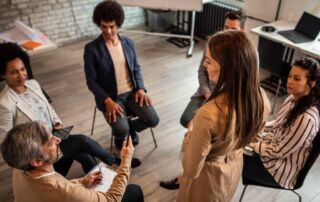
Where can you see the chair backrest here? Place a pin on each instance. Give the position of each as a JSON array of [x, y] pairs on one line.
[[314, 153]]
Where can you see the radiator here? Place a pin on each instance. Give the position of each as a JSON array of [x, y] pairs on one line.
[[211, 19]]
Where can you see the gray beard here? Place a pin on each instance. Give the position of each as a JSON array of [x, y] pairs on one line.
[[55, 159]]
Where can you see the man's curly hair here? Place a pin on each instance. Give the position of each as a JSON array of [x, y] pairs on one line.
[[108, 11]]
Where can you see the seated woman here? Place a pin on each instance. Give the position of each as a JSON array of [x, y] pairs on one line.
[[282, 152], [232, 116], [23, 101]]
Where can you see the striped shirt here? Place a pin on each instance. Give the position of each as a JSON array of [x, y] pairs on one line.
[[284, 151]]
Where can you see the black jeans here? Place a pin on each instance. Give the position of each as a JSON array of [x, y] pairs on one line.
[[133, 193], [148, 117], [254, 169], [84, 150]]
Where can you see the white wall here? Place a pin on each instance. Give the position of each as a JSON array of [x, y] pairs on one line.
[[289, 10], [293, 9]]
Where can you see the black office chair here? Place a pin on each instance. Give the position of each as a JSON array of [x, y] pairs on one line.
[[129, 117], [314, 153]]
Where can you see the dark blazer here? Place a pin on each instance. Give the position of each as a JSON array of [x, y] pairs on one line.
[[100, 73]]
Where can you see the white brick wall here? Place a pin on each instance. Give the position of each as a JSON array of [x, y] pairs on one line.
[[61, 20]]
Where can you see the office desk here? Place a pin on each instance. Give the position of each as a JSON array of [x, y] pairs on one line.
[[276, 55], [307, 48]]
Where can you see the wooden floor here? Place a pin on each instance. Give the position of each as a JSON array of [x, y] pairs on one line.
[[171, 79]]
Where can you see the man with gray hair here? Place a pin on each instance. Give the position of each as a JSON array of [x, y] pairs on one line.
[[31, 149]]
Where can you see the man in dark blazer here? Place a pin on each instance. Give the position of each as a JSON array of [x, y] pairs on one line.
[[114, 76]]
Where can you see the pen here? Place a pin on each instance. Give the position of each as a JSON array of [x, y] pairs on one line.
[[100, 178], [100, 165], [128, 140]]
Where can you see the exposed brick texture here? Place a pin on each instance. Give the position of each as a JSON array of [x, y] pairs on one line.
[[61, 20]]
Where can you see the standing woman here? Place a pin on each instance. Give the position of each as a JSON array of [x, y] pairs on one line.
[[212, 149], [281, 153]]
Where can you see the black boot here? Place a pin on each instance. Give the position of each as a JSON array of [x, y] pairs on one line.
[[134, 163], [118, 142], [134, 137], [171, 185]]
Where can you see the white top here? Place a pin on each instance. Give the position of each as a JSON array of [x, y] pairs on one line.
[[38, 107], [124, 83]]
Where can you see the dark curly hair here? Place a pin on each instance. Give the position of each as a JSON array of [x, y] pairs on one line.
[[108, 11], [10, 51], [313, 98]]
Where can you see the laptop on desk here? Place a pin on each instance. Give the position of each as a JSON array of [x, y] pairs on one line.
[[306, 30]]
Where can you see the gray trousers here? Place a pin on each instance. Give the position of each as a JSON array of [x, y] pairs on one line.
[[147, 116], [191, 109]]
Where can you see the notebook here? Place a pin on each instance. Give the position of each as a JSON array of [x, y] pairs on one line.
[[306, 30], [108, 176]]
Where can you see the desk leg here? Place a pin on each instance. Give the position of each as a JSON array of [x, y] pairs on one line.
[[190, 50]]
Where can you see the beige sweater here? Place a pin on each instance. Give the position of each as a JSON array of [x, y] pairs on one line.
[[124, 83], [55, 188]]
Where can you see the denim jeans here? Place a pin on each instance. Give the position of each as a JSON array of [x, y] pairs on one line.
[[147, 116], [84, 150]]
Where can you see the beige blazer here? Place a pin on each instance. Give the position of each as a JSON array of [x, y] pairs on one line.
[[13, 110], [212, 165]]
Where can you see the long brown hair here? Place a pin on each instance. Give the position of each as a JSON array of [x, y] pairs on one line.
[[239, 80]]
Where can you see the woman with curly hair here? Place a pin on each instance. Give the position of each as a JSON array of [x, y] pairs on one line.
[[282, 152]]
